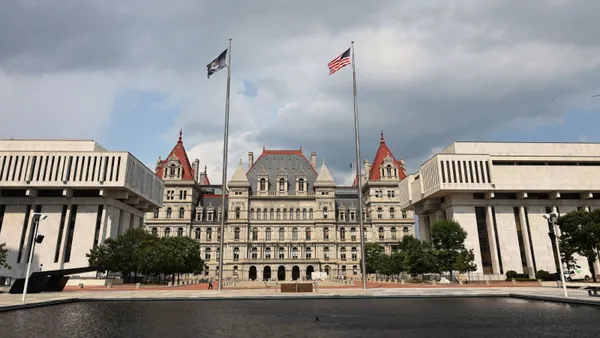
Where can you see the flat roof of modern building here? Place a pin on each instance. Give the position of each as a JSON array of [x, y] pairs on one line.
[[49, 145]]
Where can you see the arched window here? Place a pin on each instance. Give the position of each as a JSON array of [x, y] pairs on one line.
[[354, 255], [218, 255], [303, 213], [297, 213], [278, 214], [167, 232], [308, 234], [156, 211], [255, 234], [343, 270], [181, 212], [294, 234], [252, 213], [326, 253], [282, 184], [325, 212], [265, 211], [179, 232], [381, 234], [268, 234], [294, 253], [392, 213], [352, 234], [379, 213], [326, 233], [207, 254], [272, 214], [284, 213], [342, 234], [291, 213], [236, 254], [154, 231], [365, 233], [393, 231], [263, 184], [254, 253], [405, 230], [310, 214], [388, 169], [308, 252], [281, 234], [209, 234], [403, 214], [268, 253], [301, 184], [197, 233], [343, 254], [169, 212], [236, 234], [281, 253], [237, 212]]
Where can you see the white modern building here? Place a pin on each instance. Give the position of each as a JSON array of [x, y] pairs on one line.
[[499, 193], [87, 194]]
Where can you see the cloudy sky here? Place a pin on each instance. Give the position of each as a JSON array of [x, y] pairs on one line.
[[131, 73]]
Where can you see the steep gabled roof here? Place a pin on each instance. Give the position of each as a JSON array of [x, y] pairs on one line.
[[382, 153], [271, 162], [180, 153]]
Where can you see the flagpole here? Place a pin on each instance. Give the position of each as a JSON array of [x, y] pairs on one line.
[[363, 261], [224, 180]]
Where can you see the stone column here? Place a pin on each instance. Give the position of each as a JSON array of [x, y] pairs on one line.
[[492, 241], [526, 242]]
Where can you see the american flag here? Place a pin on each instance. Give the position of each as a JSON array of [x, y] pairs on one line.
[[339, 62]]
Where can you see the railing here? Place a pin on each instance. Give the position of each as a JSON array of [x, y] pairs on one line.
[[283, 194]]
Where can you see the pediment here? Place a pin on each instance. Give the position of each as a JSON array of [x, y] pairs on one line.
[[301, 172], [388, 160], [282, 172], [173, 160], [263, 171]]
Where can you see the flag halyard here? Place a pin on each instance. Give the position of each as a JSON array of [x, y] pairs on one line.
[[217, 64], [339, 62]]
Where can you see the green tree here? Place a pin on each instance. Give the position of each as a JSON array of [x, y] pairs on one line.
[[580, 233], [448, 239], [420, 257], [4, 256], [374, 257]]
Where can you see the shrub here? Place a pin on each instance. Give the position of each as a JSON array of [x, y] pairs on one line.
[[543, 275], [511, 274]]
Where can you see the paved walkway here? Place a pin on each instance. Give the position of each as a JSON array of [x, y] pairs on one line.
[[8, 301]]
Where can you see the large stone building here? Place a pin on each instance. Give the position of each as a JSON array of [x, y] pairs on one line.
[[286, 216], [499, 193], [86, 193]]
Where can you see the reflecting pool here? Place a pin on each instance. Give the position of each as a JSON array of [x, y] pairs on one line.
[[434, 318]]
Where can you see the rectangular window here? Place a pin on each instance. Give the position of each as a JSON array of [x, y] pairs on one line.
[[23, 233], [98, 224], [2, 211], [60, 233], [70, 233], [443, 171], [484, 243]]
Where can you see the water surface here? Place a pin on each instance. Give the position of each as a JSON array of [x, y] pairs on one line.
[[433, 318]]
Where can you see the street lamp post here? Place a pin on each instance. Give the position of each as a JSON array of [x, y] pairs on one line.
[[37, 217], [552, 218]]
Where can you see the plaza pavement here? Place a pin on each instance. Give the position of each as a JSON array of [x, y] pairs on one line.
[[530, 291]]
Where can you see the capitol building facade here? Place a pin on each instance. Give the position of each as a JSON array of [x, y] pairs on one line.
[[286, 217]]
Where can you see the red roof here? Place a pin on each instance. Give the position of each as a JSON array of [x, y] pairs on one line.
[[382, 153], [179, 152], [282, 152]]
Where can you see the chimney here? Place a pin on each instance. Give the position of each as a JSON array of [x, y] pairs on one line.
[[250, 159], [367, 167], [196, 168], [313, 159]]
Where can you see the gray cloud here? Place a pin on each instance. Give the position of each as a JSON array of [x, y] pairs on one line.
[[429, 72]]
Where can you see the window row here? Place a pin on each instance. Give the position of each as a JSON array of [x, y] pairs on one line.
[[282, 185], [283, 253], [391, 213]]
